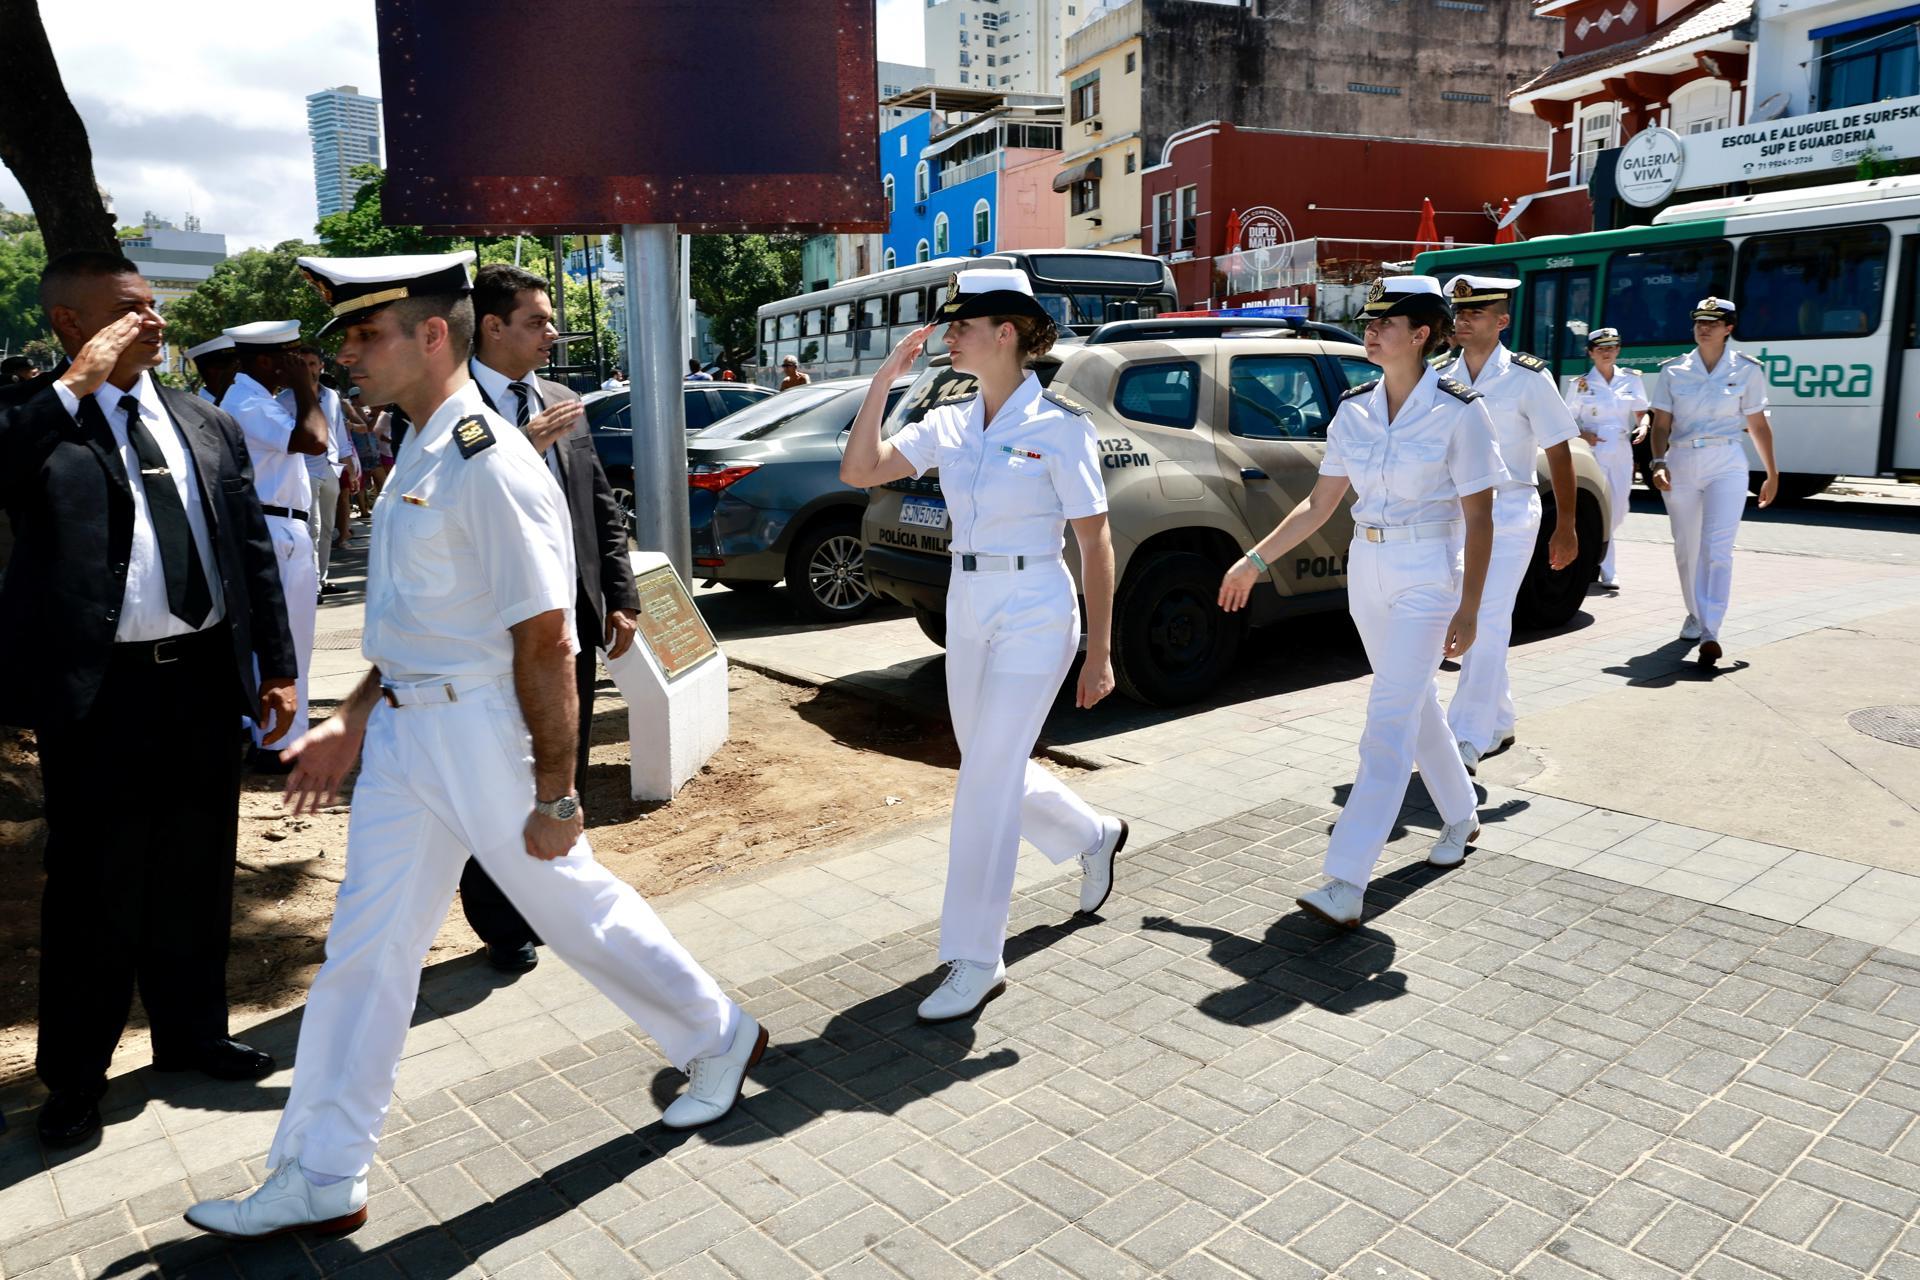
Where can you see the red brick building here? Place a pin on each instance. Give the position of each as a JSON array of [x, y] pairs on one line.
[[1625, 65]]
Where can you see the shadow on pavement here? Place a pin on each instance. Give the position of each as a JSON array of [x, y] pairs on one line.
[[881, 1059], [1670, 665]]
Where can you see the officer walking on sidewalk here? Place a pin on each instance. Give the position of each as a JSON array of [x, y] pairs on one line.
[[1528, 414], [468, 717]]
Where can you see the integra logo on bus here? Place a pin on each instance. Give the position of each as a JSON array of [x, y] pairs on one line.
[[1842, 382]]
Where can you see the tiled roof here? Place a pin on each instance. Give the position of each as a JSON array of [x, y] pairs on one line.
[[1708, 18]]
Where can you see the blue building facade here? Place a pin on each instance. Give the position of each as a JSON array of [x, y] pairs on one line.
[[927, 220]]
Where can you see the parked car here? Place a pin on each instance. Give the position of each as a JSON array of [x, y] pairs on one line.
[[609, 418], [767, 504], [1210, 432]]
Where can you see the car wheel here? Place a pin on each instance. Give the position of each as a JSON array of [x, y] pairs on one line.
[[827, 574], [932, 625], [1172, 642], [1549, 598]]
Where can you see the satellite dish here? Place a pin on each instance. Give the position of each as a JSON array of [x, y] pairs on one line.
[[1772, 107]]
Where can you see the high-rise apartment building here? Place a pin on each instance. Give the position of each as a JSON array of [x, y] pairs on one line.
[[1011, 46], [344, 125]]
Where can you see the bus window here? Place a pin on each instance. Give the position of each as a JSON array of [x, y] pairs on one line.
[[767, 329], [789, 325], [840, 319], [1812, 284], [872, 325], [1558, 307], [811, 322], [906, 306], [1650, 295]]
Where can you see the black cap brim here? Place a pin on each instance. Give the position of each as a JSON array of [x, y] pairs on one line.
[[994, 302]]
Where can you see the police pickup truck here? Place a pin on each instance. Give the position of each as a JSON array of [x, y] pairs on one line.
[[1210, 431]]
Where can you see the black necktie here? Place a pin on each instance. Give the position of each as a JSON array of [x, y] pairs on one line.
[[519, 390], [187, 595]]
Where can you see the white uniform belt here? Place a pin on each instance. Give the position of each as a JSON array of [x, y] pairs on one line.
[[1700, 442], [413, 693], [973, 562], [1405, 532]]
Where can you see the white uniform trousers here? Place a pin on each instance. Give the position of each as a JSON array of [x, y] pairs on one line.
[[1402, 596], [326, 504], [1482, 711], [293, 551], [1615, 457], [1011, 637], [1708, 497], [438, 782]]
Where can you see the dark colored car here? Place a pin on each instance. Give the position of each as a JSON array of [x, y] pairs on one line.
[[609, 419], [767, 504]]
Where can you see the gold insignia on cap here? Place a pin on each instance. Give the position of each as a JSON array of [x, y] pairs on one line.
[[1711, 304], [1377, 292], [1461, 289]]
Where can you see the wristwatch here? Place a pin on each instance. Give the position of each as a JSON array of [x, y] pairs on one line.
[[562, 810]]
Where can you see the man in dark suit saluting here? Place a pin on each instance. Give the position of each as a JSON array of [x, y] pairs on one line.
[[513, 335], [141, 588]]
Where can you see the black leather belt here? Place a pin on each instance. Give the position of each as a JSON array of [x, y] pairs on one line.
[[286, 513], [171, 649]]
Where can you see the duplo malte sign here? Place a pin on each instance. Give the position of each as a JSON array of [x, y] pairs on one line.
[[1802, 144]]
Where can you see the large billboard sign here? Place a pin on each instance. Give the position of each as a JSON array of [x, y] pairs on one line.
[[717, 115]]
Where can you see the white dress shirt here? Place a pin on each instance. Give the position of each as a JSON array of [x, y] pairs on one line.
[[1610, 408], [1709, 403], [1528, 413], [279, 475], [507, 405], [1415, 469], [144, 611]]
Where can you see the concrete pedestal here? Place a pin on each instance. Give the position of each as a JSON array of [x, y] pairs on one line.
[[675, 722]]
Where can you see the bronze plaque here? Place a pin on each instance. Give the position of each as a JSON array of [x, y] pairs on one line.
[[670, 625]]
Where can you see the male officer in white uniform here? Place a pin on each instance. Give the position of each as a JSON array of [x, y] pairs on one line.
[[325, 471], [216, 361], [468, 721], [279, 440], [1608, 402], [1528, 414]]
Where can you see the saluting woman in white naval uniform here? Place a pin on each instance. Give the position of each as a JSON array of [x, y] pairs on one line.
[[1418, 451], [1609, 403], [1703, 402], [1017, 465]]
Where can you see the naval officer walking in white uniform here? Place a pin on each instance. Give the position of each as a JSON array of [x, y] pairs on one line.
[[1703, 403], [1418, 451], [1610, 404], [1528, 414], [468, 721], [1017, 464]]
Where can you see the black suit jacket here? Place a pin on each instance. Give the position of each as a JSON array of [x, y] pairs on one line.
[[66, 491], [600, 547]]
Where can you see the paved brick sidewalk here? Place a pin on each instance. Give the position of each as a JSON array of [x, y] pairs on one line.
[[1512, 1070]]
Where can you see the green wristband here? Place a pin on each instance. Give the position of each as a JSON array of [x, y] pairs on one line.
[[1253, 558]]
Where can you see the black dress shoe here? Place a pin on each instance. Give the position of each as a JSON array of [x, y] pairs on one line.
[[68, 1118], [512, 959], [223, 1060]]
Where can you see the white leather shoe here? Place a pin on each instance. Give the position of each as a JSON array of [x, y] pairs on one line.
[[1336, 902], [1690, 629], [714, 1081], [1470, 757], [285, 1202], [1096, 868], [1451, 847], [968, 985]]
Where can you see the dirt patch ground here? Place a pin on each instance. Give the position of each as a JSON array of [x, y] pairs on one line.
[[804, 769]]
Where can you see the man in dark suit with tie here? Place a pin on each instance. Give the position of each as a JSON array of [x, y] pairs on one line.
[[141, 589], [513, 335]]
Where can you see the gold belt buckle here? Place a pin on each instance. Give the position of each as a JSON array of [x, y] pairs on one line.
[[1375, 535]]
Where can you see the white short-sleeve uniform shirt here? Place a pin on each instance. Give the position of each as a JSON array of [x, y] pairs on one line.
[[279, 475], [1415, 469], [469, 539], [1608, 407], [1528, 413], [1012, 484], [1709, 402]]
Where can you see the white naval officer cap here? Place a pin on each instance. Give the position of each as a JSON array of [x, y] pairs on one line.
[[1603, 338], [354, 287], [264, 333], [211, 345], [1715, 309], [1391, 296], [1478, 291], [992, 291]]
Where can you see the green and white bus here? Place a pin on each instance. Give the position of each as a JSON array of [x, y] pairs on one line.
[[1825, 279]]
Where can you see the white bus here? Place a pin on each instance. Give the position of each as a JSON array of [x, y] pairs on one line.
[[850, 327], [1825, 279]]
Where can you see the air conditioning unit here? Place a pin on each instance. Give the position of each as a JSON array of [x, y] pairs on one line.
[[1091, 127]]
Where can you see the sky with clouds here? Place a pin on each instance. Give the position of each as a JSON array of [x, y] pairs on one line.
[[202, 108]]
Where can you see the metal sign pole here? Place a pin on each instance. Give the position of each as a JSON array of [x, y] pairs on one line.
[[655, 372]]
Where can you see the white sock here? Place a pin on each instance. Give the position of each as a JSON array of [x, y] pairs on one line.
[[323, 1179]]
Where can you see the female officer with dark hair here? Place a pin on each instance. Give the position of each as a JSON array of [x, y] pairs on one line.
[[1018, 463], [1608, 403], [1418, 451]]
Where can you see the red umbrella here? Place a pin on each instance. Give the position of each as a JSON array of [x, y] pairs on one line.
[[1233, 231], [1429, 232], [1505, 233]]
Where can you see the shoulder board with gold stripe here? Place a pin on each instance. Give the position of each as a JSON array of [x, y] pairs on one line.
[[1459, 390], [1741, 355], [1360, 390], [472, 434], [1527, 360], [1064, 400]]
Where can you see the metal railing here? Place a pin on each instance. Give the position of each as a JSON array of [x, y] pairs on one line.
[[954, 175]]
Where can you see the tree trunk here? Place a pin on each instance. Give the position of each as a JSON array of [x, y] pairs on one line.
[[44, 142]]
